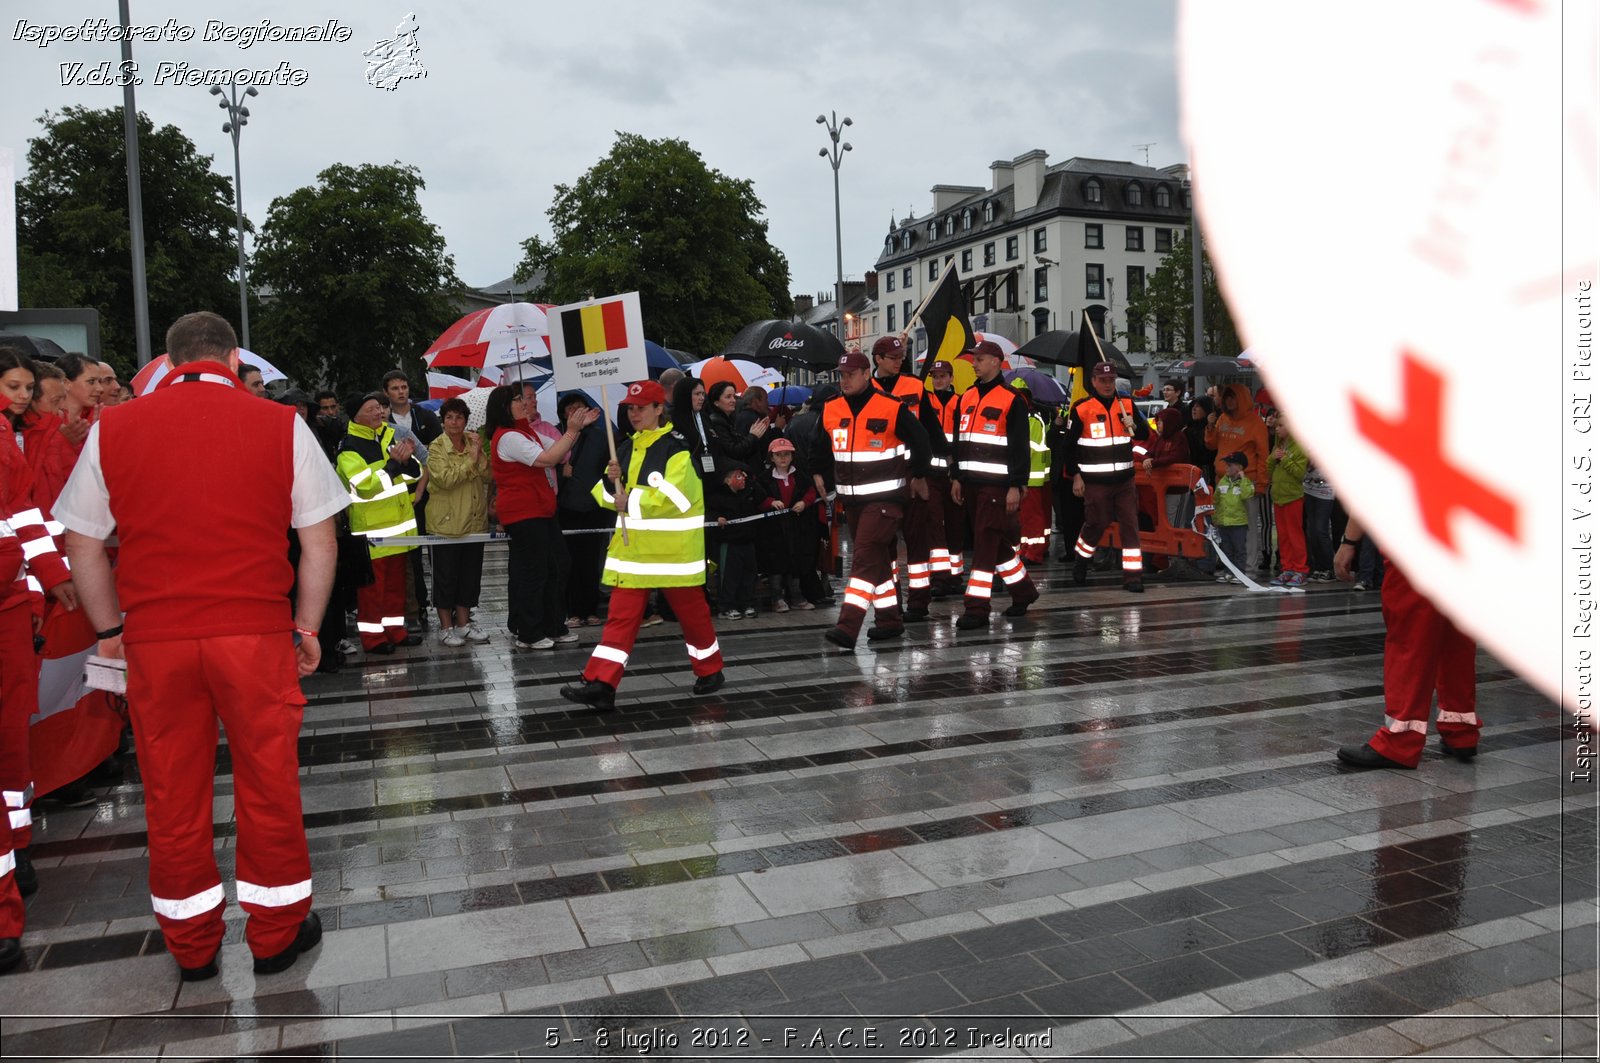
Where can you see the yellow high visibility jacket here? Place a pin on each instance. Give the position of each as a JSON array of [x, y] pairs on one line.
[[1038, 452], [380, 503], [666, 514]]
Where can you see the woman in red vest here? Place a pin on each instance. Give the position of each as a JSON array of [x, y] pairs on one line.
[[525, 504]]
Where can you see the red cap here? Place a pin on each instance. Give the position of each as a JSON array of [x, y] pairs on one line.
[[779, 444], [941, 366], [1105, 369], [643, 393], [854, 360], [989, 347], [889, 345]]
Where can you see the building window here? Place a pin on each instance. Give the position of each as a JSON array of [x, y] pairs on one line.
[[933, 269], [1041, 286], [1163, 196], [1011, 291], [1011, 249], [1136, 337], [905, 277], [1135, 280], [1135, 238], [1094, 281], [966, 219], [933, 231], [905, 310], [1163, 239], [1091, 191], [1135, 194], [888, 242], [1093, 236], [950, 225], [889, 313], [988, 253], [888, 281], [988, 210], [905, 240], [1164, 336], [1188, 199], [966, 262], [1039, 242]]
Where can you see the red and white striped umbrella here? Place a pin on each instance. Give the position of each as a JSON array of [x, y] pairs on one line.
[[510, 333], [146, 379], [446, 385], [1007, 348]]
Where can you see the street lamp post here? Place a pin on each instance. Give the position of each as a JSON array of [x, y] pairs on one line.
[[238, 118], [1199, 341], [835, 155]]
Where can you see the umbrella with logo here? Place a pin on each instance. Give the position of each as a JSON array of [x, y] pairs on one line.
[[778, 342], [743, 374], [497, 335], [156, 369]]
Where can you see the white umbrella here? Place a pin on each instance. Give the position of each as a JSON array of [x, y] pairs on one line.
[[477, 401], [510, 332], [1007, 348]]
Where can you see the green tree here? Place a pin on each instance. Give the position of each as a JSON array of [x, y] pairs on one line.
[[359, 277], [73, 233], [1167, 302], [652, 217]]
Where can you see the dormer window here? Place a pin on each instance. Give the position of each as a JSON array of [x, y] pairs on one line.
[[1091, 191], [950, 225], [1135, 194], [966, 219], [1163, 196], [905, 240], [933, 231]]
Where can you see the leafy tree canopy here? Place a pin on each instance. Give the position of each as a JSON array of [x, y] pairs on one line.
[[653, 217], [73, 241], [1168, 300], [360, 282]]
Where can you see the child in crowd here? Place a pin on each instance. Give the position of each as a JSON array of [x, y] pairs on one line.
[[787, 546], [1286, 469], [728, 498], [1231, 518]]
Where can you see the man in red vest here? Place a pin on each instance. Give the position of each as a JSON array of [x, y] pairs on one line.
[[201, 481]]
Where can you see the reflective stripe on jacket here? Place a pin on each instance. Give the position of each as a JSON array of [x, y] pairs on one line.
[[380, 501], [981, 441], [666, 514], [869, 458], [1038, 452]]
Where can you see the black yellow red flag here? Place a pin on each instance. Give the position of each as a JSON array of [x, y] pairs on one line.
[[944, 315]]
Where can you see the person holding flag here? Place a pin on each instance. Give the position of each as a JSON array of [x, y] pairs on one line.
[[654, 487], [991, 472]]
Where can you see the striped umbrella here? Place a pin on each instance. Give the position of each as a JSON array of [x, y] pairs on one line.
[[156, 369], [497, 335]]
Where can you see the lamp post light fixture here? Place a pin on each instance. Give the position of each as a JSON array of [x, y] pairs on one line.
[[238, 118], [835, 155]]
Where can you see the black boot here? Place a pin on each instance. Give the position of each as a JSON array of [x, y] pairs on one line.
[[593, 693], [27, 878], [1461, 753], [206, 970], [709, 684], [306, 940], [1364, 756], [10, 953], [1080, 571]]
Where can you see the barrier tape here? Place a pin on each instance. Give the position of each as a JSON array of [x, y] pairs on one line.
[[1215, 539], [502, 536]]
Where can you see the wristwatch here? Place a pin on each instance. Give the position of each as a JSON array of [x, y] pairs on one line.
[[1343, 541]]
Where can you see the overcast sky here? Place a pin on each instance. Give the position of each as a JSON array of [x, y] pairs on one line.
[[522, 96]]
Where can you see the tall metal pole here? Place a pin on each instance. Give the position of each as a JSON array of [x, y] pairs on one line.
[[130, 142], [1198, 343], [835, 127], [238, 118]]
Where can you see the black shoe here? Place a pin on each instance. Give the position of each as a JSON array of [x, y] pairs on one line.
[[593, 693], [916, 616], [210, 967], [1134, 586], [878, 633], [10, 953], [839, 638], [383, 651], [331, 664], [26, 877], [305, 941], [73, 795], [1080, 571], [107, 773], [1364, 756], [970, 621], [411, 640], [1461, 753], [710, 684], [1021, 608]]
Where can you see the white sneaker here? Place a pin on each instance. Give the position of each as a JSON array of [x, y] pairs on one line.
[[780, 606], [731, 614], [475, 633], [542, 644], [651, 621], [453, 636], [566, 640]]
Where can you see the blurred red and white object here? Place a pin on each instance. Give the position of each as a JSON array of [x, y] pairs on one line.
[[156, 369], [446, 385], [1400, 200]]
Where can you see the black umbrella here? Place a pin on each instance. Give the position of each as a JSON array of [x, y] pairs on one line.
[[776, 343], [1076, 350], [1212, 365], [33, 346]]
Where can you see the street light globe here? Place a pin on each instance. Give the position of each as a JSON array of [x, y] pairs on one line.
[[823, 152], [820, 118], [251, 91], [847, 146], [216, 90], [848, 122]]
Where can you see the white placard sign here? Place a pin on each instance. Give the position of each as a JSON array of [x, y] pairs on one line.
[[597, 342]]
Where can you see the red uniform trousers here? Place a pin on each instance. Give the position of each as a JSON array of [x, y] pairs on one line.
[[623, 615], [1107, 504], [1290, 518], [381, 607], [925, 549], [873, 526], [19, 700], [12, 915], [1423, 652], [995, 534], [177, 691], [949, 564], [1035, 521]]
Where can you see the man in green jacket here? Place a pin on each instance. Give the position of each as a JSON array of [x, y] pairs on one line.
[[377, 472]]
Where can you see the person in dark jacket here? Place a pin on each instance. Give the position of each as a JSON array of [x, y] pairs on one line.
[[727, 442], [689, 418], [1200, 411], [786, 547], [804, 431], [576, 510], [729, 498]]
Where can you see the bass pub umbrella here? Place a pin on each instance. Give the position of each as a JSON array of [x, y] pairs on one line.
[[776, 342]]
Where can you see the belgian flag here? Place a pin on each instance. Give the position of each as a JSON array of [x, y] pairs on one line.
[[944, 315], [594, 329]]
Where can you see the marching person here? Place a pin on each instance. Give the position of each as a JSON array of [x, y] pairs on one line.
[[879, 455], [1035, 515], [992, 462], [1104, 439], [923, 525], [949, 566], [205, 580], [1423, 654], [378, 471], [661, 507]]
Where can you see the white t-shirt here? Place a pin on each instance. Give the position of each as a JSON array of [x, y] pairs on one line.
[[315, 495], [524, 449]]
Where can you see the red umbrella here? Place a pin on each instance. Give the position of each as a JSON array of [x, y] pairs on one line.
[[506, 334]]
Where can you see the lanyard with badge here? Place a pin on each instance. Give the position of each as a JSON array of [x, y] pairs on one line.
[[708, 464]]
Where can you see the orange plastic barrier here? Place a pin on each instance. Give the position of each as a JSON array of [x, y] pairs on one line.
[[1163, 538]]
